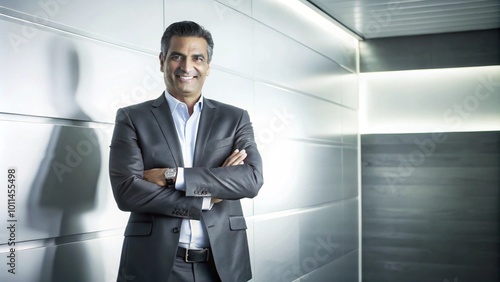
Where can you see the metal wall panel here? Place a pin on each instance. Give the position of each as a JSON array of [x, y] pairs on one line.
[[286, 181], [65, 76], [274, 257], [333, 271], [108, 20], [350, 126], [295, 66], [430, 206], [230, 88], [62, 178], [343, 269], [312, 239], [317, 35], [287, 114], [243, 6], [83, 261]]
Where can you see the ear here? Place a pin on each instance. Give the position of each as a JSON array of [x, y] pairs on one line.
[[208, 69], [162, 61]]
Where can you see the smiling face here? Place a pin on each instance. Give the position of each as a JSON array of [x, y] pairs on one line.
[[185, 67]]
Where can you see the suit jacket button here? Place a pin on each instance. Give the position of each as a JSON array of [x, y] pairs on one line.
[[176, 230]]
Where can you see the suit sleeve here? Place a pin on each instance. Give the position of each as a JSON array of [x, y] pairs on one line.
[[232, 182], [131, 191]]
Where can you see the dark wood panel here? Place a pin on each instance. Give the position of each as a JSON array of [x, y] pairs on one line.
[[434, 220]]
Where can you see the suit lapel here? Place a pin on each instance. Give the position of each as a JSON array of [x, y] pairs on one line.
[[163, 116], [207, 118]]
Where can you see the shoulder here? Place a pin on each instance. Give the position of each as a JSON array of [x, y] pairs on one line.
[[135, 112], [143, 107], [223, 107], [146, 105]]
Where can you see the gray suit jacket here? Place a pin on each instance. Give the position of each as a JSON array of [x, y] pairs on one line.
[[144, 137]]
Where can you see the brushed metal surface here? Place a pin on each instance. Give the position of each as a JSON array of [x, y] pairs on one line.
[[294, 183], [350, 126], [243, 6], [308, 240], [63, 183], [431, 210], [275, 257], [282, 61], [92, 260], [56, 74], [282, 114], [109, 20], [319, 36], [385, 18]]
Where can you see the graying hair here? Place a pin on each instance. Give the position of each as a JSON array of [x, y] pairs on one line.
[[187, 28]]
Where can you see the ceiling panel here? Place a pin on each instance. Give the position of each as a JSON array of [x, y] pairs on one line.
[[389, 18]]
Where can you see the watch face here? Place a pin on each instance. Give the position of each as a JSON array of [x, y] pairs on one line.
[[170, 173]]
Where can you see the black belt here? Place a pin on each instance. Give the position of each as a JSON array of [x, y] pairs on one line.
[[193, 255]]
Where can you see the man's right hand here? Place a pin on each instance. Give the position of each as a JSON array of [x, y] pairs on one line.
[[236, 158]]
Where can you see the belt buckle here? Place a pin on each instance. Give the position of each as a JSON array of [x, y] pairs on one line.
[[186, 255]]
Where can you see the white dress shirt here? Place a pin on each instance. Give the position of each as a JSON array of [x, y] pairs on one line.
[[193, 234]]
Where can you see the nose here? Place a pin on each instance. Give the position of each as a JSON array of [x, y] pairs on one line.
[[186, 65]]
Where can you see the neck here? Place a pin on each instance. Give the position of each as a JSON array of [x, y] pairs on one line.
[[190, 101]]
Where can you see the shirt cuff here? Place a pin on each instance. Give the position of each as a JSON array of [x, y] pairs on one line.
[[207, 205], [180, 183]]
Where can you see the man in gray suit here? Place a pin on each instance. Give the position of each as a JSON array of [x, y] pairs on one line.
[[180, 164]]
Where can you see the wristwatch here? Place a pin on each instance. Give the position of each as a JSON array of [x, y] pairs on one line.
[[170, 175]]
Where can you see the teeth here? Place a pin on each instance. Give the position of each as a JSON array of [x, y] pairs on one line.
[[186, 77]]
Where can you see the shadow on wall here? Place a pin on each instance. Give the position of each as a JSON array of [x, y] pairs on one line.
[[65, 186]]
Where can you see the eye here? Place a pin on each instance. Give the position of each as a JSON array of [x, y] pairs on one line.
[[176, 57], [199, 59]]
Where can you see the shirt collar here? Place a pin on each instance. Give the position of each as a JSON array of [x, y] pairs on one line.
[[173, 103]]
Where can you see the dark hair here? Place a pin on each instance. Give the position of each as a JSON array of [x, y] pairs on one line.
[[187, 28]]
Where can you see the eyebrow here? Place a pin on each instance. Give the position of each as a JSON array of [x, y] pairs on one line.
[[174, 53]]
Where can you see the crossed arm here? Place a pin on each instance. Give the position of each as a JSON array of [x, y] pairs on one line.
[[156, 175], [138, 190]]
